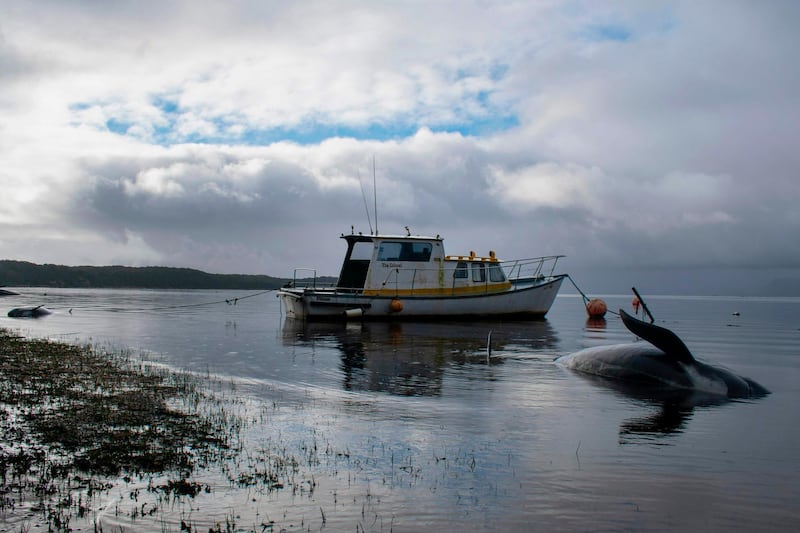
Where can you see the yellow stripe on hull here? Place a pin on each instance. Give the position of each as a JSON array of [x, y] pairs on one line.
[[450, 291]]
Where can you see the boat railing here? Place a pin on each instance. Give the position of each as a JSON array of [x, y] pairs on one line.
[[531, 268], [538, 269], [305, 282]]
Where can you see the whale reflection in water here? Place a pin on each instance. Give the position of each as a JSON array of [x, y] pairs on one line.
[[667, 410], [411, 358]]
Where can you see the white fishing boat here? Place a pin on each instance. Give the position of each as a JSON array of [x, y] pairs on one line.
[[391, 276]]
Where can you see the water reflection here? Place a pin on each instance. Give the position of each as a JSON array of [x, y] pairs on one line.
[[670, 409], [595, 324], [411, 358]]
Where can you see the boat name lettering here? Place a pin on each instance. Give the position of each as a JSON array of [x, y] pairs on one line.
[[391, 265]]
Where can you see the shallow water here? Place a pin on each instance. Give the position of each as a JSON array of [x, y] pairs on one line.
[[414, 426]]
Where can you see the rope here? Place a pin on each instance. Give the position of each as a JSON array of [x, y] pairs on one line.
[[229, 301], [585, 298]]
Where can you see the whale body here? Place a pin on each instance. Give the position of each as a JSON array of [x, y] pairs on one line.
[[663, 361], [29, 312]]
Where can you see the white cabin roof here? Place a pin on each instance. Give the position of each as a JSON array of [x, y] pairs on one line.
[[384, 237]]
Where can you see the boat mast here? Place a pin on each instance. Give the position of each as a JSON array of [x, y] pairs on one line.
[[375, 194], [366, 206]]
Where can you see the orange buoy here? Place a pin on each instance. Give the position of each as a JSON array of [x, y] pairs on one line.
[[596, 308], [636, 303], [395, 306]]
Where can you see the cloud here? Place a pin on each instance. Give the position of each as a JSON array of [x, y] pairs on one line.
[[544, 184], [241, 138]]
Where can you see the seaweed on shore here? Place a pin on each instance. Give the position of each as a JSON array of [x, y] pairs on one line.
[[73, 415]]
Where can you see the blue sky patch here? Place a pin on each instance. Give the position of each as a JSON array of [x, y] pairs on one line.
[[607, 32], [475, 117], [166, 105], [165, 133], [317, 133], [118, 126]]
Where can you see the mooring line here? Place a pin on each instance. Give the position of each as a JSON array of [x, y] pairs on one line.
[[586, 299], [229, 301]]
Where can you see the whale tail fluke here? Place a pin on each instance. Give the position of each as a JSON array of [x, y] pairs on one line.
[[662, 338]]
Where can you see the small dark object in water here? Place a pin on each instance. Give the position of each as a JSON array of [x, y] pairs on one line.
[[29, 312]]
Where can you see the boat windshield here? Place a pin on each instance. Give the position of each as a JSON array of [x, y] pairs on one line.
[[404, 251], [362, 251]]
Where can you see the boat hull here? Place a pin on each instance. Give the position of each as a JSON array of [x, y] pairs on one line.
[[530, 298]]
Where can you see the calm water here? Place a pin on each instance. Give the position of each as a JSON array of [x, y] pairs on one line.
[[410, 426]]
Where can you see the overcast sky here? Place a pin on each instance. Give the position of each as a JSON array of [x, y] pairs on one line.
[[239, 137]]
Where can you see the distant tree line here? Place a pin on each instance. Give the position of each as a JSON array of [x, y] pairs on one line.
[[24, 274]]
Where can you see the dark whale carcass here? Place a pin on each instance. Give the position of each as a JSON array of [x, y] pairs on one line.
[[29, 312], [663, 361]]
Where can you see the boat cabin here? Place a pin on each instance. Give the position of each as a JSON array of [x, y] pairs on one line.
[[415, 265]]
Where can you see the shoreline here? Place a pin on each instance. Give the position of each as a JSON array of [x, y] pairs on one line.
[[75, 420]]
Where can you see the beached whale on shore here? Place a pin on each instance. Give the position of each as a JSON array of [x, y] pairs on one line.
[[663, 361]]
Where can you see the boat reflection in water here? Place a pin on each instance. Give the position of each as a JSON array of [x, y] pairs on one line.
[[411, 358]]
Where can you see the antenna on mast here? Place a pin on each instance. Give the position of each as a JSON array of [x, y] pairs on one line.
[[366, 207], [375, 194]]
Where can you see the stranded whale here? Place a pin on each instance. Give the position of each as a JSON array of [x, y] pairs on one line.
[[665, 362], [29, 312]]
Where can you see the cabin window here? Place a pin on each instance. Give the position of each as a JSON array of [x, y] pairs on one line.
[[404, 251], [362, 251], [461, 271], [478, 272], [496, 273]]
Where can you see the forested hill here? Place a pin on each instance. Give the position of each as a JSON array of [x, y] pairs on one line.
[[23, 274]]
